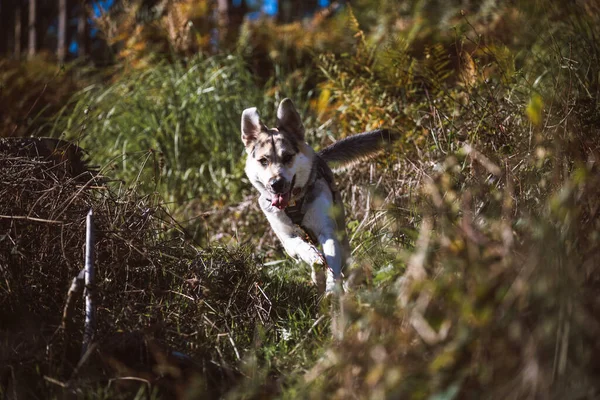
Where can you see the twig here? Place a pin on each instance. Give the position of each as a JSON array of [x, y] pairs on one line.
[[483, 160], [67, 203], [307, 333], [55, 381], [129, 378], [26, 218], [76, 288], [237, 354]]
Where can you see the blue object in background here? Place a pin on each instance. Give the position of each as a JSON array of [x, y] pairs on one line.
[[102, 5], [270, 7], [73, 47]]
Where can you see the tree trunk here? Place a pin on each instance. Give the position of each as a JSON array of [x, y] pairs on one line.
[[82, 30], [222, 19], [223, 7], [32, 26], [62, 31], [4, 28], [18, 30]]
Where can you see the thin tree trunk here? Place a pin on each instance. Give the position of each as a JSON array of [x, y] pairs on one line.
[[222, 18], [4, 29], [223, 7], [18, 30], [62, 31], [32, 26], [82, 30]]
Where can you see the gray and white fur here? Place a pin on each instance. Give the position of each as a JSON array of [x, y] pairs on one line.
[[298, 194]]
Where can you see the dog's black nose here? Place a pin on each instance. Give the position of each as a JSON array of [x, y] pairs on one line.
[[277, 184]]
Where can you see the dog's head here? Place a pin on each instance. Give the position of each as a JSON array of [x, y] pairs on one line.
[[279, 159]]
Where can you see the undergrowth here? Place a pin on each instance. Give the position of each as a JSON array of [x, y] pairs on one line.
[[494, 299], [167, 312], [475, 237], [32, 92]]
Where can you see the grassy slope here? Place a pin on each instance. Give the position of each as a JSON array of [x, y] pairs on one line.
[[475, 238]]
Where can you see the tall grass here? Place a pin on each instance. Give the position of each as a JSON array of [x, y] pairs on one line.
[[179, 120]]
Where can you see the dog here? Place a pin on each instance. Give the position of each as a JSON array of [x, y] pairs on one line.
[[298, 194]]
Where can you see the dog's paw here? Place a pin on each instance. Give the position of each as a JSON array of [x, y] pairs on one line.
[[315, 256], [333, 285], [311, 255]]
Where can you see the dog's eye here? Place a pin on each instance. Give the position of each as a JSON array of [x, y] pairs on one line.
[[287, 158], [264, 162]]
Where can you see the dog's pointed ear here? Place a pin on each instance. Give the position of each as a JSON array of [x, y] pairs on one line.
[[251, 126], [289, 119]]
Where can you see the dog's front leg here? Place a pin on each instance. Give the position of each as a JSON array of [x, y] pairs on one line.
[[318, 219], [333, 255], [297, 247], [291, 236]]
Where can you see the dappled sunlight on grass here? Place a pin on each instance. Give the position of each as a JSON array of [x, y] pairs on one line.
[[474, 237]]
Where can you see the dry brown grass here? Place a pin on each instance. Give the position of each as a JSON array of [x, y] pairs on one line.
[[156, 291]]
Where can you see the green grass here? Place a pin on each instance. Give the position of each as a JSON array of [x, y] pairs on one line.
[[178, 121]]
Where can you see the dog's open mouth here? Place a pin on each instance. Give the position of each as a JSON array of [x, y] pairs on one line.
[[281, 200]]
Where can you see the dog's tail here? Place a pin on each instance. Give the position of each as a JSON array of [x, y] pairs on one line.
[[358, 147]]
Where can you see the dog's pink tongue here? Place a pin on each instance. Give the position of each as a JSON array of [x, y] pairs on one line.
[[281, 200]]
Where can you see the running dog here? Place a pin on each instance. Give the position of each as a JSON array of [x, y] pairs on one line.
[[298, 194]]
